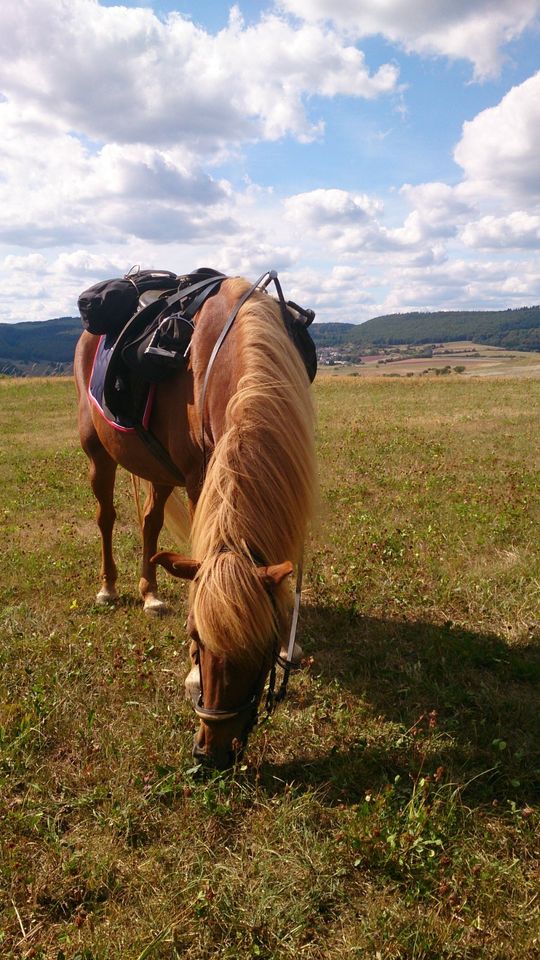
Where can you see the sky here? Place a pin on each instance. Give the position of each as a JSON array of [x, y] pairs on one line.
[[382, 155]]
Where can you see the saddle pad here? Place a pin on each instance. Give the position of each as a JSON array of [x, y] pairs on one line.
[[119, 419]]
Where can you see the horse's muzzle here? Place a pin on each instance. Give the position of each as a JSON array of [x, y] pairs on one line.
[[220, 759]]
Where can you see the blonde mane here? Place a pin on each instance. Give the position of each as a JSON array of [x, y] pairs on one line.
[[258, 493]]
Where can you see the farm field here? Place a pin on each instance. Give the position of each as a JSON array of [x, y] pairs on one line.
[[389, 810], [462, 358]]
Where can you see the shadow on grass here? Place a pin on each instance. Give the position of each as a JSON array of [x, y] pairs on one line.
[[429, 696]]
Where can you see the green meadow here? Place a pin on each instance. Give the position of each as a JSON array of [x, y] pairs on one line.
[[389, 809]]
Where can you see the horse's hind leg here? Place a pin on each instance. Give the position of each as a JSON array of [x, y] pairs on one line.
[[102, 477], [153, 515]]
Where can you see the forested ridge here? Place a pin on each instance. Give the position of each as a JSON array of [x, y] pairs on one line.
[[49, 341], [42, 346], [517, 329]]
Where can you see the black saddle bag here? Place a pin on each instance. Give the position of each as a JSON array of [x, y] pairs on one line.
[[306, 348], [300, 336], [107, 306]]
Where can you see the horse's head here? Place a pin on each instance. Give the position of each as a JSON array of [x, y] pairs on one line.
[[236, 622]]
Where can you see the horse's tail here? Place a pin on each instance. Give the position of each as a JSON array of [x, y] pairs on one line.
[[136, 490], [177, 518]]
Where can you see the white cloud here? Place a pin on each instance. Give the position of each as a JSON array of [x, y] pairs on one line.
[[120, 74], [26, 263], [518, 230], [330, 211], [108, 116], [462, 283], [418, 263], [437, 212], [55, 191], [474, 30], [158, 175], [351, 222], [251, 256], [112, 121], [347, 223], [339, 293], [80, 264], [499, 149]]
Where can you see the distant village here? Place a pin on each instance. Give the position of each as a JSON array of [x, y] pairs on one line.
[[339, 356], [347, 353]]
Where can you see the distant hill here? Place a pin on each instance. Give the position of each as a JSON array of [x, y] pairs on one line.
[[514, 329], [47, 346], [40, 347]]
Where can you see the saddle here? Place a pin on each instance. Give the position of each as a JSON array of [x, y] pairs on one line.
[[145, 322], [136, 353]]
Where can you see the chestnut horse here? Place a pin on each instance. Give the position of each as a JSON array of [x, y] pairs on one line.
[[248, 467]]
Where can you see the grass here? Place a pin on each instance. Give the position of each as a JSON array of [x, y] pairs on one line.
[[389, 809]]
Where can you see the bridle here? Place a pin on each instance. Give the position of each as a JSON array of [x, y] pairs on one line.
[[216, 714], [273, 696]]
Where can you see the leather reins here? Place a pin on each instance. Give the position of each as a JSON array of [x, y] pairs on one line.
[[267, 277]]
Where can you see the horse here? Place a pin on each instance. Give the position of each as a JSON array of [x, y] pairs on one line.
[[242, 446]]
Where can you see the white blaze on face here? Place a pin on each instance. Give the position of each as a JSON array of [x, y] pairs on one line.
[[298, 653], [193, 684]]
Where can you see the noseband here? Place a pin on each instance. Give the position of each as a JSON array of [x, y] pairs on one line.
[[215, 714], [273, 697]]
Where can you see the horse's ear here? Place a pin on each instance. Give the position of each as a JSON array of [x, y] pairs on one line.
[[271, 577], [177, 565]]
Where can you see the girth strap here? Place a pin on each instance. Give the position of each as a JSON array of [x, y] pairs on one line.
[[159, 452]]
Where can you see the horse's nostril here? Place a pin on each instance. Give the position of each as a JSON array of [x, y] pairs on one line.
[[221, 759], [198, 751]]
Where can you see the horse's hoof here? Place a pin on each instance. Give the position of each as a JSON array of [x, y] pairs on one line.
[[153, 607], [107, 597]]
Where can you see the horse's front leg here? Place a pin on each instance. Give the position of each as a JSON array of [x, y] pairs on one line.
[[102, 477], [153, 514]]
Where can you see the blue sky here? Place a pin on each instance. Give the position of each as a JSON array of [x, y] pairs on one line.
[[382, 156]]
